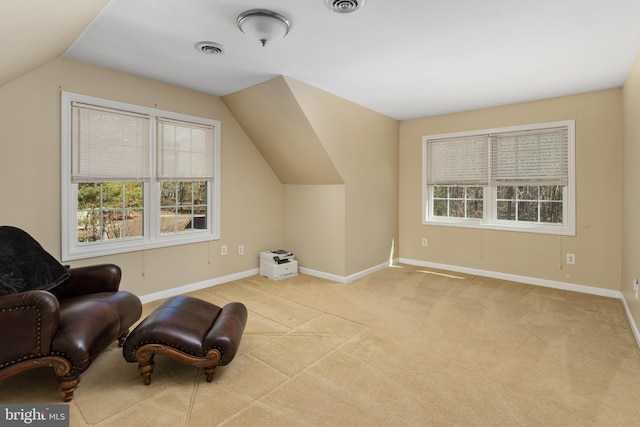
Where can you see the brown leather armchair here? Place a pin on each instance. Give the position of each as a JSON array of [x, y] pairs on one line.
[[65, 327]]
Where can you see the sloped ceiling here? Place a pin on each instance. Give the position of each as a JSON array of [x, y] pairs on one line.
[[272, 117], [402, 58], [33, 32]]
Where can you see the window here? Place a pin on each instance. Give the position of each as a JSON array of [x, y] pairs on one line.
[[519, 178], [135, 177]]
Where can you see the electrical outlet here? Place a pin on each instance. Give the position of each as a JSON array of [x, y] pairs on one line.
[[424, 242], [241, 250], [571, 258], [223, 250]]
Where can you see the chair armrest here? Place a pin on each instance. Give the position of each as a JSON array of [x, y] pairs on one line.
[[89, 280], [28, 321]]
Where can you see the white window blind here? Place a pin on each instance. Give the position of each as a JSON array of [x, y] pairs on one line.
[[458, 161], [537, 157], [108, 145], [185, 151]]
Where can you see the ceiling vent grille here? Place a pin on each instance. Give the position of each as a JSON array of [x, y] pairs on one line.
[[210, 48], [344, 6]]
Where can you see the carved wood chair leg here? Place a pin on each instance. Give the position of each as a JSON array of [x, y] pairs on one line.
[[209, 371], [146, 369], [68, 385]]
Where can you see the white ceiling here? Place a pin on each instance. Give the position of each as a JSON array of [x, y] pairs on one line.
[[402, 58]]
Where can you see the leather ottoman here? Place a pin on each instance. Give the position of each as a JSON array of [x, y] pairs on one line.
[[190, 330]]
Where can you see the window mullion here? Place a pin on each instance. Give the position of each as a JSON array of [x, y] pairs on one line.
[[193, 208], [152, 193], [539, 205], [490, 192], [123, 229], [101, 212], [176, 205], [464, 202], [490, 196]]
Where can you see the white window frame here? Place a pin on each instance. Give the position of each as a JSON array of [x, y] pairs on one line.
[[72, 249], [489, 220]]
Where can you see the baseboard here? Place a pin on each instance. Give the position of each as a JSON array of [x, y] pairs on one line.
[[321, 274], [197, 286], [516, 278], [242, 275], [342, 279]]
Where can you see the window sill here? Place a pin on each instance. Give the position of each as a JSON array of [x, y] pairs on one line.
[[561, 230], [80, 251]]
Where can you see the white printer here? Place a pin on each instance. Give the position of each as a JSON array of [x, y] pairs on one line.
[[278, 264]]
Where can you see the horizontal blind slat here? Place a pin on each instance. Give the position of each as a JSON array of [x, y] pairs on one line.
[[185, 151], [108, 145], [531, 158], [458, 161]]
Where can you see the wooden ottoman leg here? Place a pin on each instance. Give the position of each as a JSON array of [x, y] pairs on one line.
[[68, 385], [146, 364], [146, 370], [209, 362], [209, 371]]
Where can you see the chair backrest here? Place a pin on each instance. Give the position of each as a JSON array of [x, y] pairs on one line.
[[25, 265]]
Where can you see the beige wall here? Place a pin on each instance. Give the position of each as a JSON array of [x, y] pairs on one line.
[[339, 162], [363, 146], [338, 229], [315, 229], [251, 194], [597, 243], [33, 33], [630, 192], [272, 117]]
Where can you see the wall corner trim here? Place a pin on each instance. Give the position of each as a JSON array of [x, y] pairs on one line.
[[632, 323]]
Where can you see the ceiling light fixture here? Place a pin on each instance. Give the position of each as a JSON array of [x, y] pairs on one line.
[[264, 25], [344, 6]]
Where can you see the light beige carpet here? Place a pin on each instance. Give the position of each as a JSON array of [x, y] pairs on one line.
[[404, 346]]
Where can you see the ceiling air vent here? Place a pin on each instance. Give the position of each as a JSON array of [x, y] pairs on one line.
[[210, 48], [344, 6]]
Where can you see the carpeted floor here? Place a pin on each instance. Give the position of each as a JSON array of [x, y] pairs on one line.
[[405, 346]]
